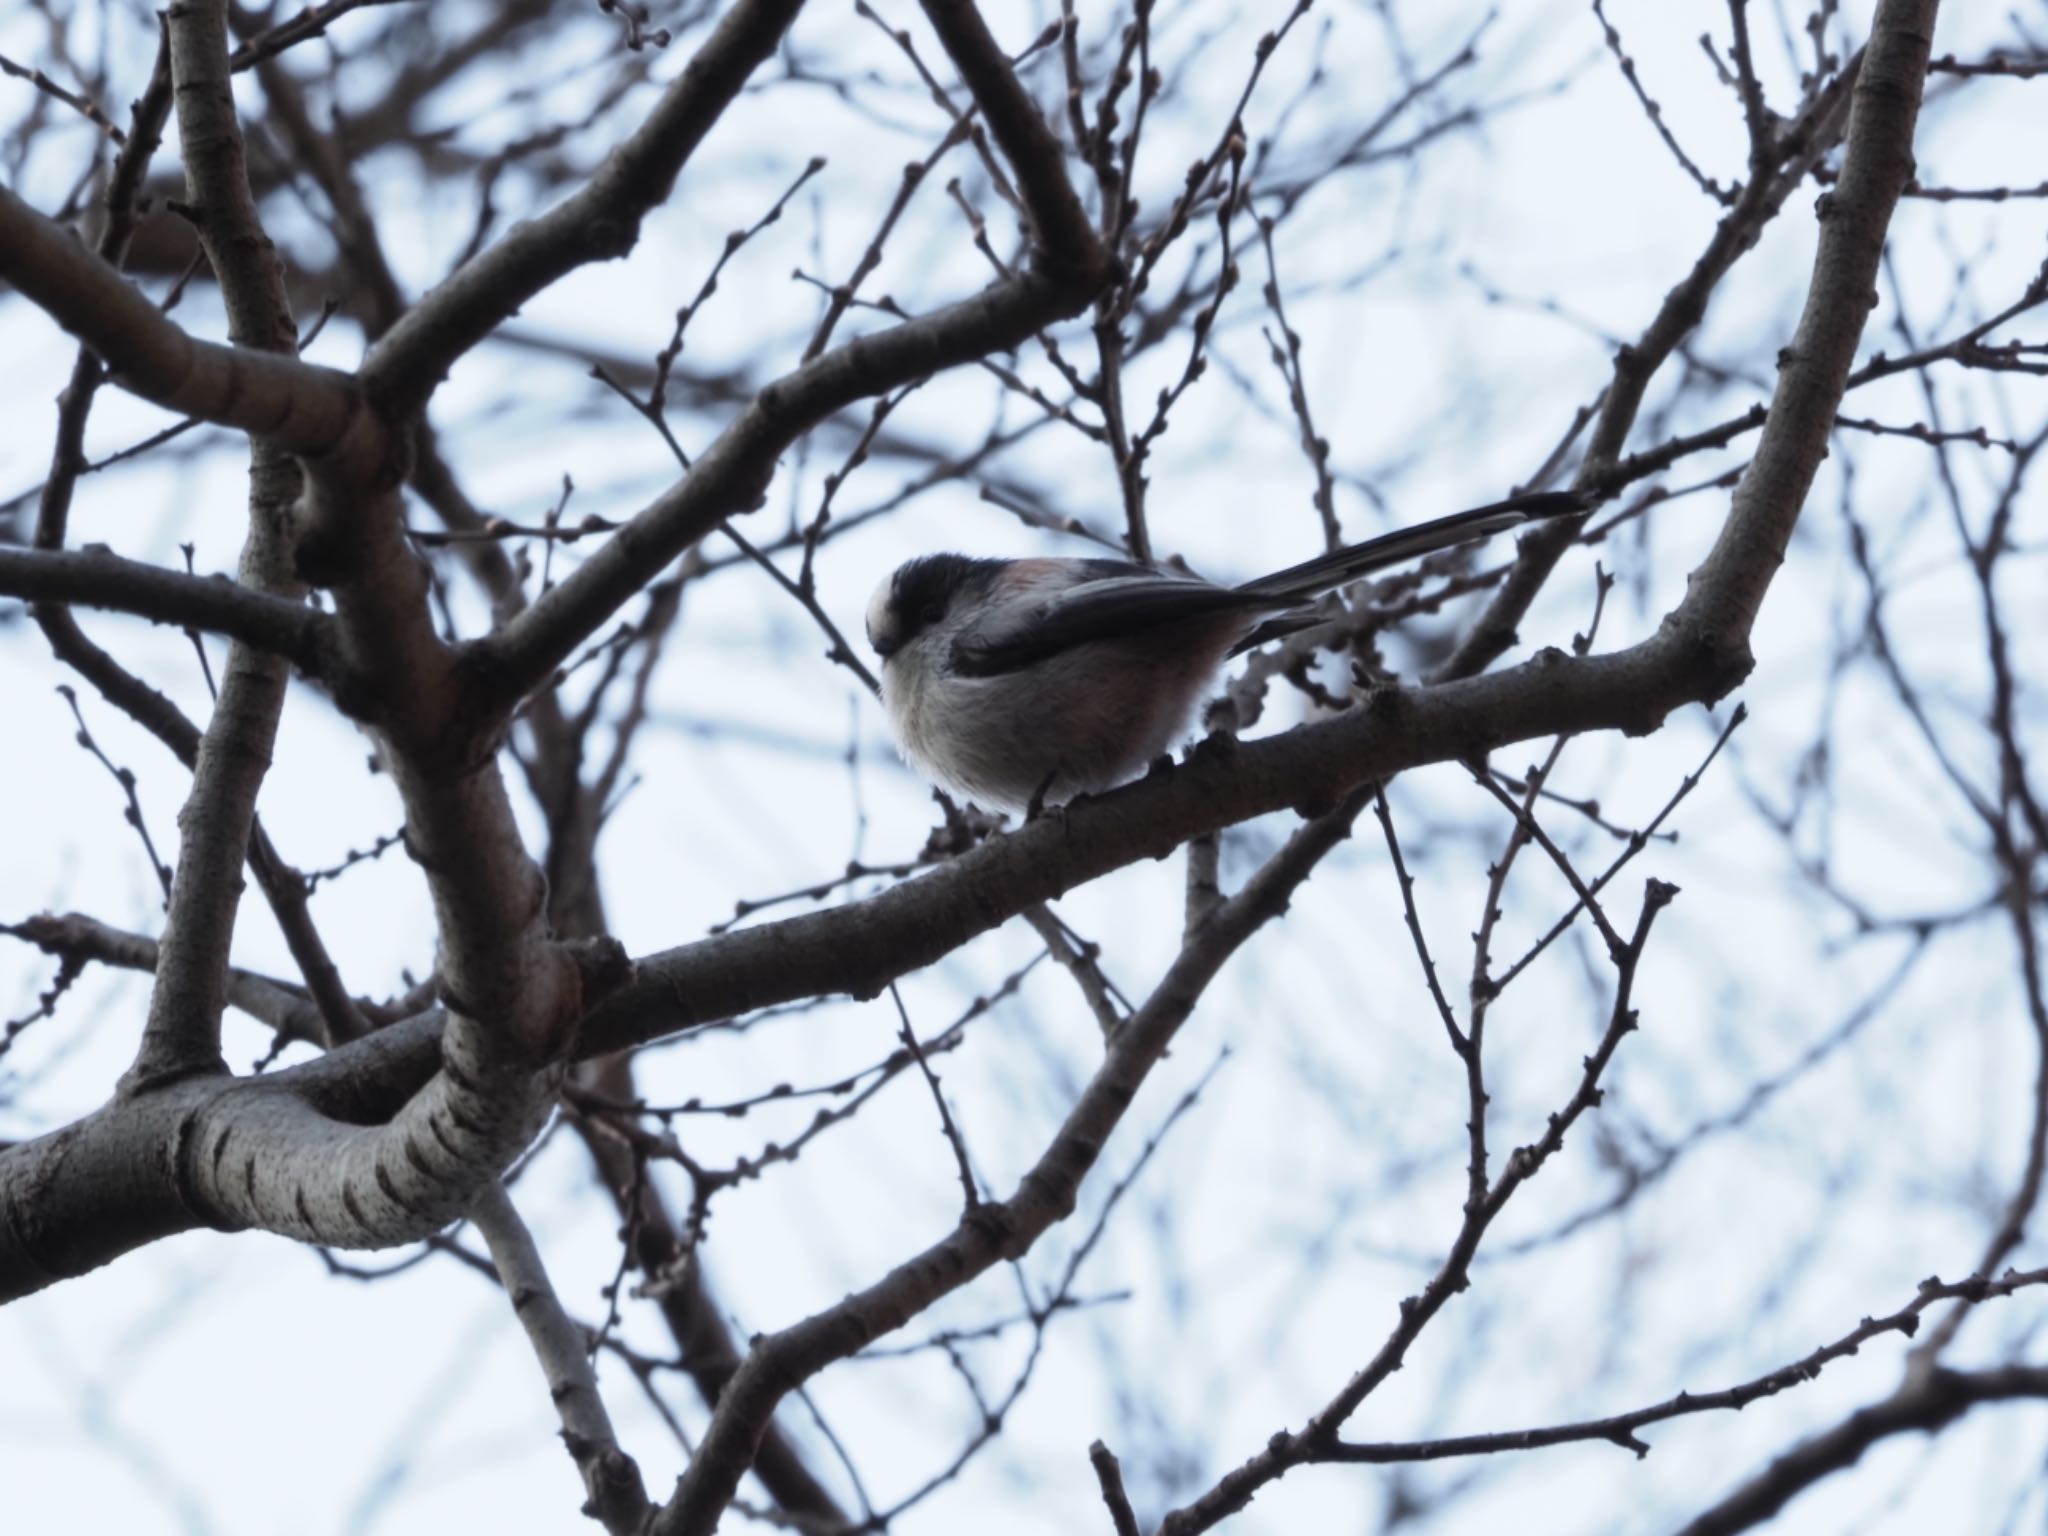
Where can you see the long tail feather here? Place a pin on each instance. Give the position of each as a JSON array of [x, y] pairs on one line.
[[1355, 560]]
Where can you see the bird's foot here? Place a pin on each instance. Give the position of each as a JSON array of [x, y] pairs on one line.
[[1035, 807]]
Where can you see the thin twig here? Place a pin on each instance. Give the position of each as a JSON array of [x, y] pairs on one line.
[[908, 1036]]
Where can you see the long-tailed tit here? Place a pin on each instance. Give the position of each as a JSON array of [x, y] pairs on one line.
[[1020, 682]]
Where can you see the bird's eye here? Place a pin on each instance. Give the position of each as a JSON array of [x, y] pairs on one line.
[[929, 614]]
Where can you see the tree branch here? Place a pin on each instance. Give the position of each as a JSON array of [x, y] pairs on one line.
[[1928, 1403], [1065, 238], [282, 885], [1110, 1477], [992, 1231], [1729, 587], [600, 222], [618, 1499], [182, 1032], [1799, 148], [365, 1148], [1700, 652], [1926, 1406], [278, 1005], [96, 577], [696, 1318], [860, 947], [733, 474], [301, 407], [1315, 1440]]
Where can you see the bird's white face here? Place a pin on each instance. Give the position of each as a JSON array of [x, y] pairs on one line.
[[916, 598], [885, 623]]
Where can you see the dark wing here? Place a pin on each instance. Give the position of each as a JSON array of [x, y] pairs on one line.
[[1319, 575], [1105, 570], [1111, 609], [1278, 627]]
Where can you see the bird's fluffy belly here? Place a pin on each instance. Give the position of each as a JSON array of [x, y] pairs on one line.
[[999, 740]]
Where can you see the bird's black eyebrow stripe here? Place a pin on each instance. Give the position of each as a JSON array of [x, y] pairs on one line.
[[925, 586], [934, 576]]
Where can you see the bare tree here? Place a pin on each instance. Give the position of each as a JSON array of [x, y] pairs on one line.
[[1640, 1159]]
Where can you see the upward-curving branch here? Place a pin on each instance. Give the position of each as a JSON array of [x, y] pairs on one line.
[[302, 407]]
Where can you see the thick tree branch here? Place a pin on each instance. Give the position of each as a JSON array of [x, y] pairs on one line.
[[600, 222], [301, 407], [182, 1032], [256, 1153], [282, 885], [364, 1148], [99, 578], [1799, 149], [436, 716], [1729, 587], [860, 947], [1065, 238]]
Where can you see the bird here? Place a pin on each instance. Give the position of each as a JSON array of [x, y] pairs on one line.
[[1025, 683]]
